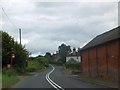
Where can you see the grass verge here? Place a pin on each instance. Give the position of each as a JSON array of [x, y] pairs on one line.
[[0, 80], [8, 81], [9, 77]]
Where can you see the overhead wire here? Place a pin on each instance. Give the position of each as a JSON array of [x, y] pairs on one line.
[[9, 18]]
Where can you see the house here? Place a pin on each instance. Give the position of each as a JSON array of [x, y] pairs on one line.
[[101, 56], [74, 57]]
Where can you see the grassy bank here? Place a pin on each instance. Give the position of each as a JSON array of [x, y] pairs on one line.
[[7, 81], [0, 80], [9, 78], [72, 68]]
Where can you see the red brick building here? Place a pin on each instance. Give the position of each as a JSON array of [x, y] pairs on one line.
[[101, 56]]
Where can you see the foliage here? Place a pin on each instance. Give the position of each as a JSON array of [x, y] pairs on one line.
[[79, 50], [64, 50], [0, 79], [9, 72], [7, 44], [10, 46], [37, 63], [73, 66], [48, 55], [34, 66], [8, 79]]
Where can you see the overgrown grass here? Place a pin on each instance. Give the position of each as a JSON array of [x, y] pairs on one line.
[[7, 81], [0, 77], [0, 80], [72, 68], [8, 78]]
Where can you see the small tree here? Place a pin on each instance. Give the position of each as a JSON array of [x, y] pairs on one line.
[[9, 46], [64, 50]]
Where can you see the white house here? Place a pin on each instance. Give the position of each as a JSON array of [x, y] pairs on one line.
[[74, 57]]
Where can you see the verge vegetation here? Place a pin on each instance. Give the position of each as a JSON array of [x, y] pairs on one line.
[[21, 64], [72, 68]]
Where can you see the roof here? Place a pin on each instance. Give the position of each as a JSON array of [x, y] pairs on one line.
[[103, 38], [70, 55]]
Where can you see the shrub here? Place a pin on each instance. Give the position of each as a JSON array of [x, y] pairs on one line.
[[9, 72], [30, 69], [73, 66]]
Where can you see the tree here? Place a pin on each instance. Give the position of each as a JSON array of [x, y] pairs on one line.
[[42, 60], [0, 47], [79, 50], [9, 46], [48, 55], [64, 50], [21, 55]]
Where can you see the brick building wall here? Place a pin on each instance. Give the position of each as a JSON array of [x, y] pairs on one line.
[[85, 63], [102, 60], [119, 66]]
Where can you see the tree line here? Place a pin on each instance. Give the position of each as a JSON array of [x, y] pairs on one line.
[[10, 46]]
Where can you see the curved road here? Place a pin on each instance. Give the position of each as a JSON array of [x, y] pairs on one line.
[[53, 78]]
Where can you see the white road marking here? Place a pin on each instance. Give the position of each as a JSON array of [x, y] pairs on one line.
[[56, 86]]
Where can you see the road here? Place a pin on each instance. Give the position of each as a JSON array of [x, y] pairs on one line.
[[53, 78]]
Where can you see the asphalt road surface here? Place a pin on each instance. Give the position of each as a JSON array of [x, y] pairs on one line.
[[53, 78]]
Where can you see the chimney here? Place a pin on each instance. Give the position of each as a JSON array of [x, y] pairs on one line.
[[74, 51]]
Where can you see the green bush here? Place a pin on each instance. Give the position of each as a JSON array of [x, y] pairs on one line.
[[73, 66], [9, 72], [31, 69]]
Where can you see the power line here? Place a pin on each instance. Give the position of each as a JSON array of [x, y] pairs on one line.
[[9, 18], [12, 23]]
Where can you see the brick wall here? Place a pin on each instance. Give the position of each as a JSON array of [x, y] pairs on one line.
[[85, 63], [112, 57], [119, 66], [102, 61], [93, 64]]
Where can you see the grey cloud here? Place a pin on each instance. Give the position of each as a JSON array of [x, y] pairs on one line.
[[46, 25]]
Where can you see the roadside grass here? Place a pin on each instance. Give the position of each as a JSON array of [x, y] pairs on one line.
[[0, 80], [0, 77], [72, 68], [8, 79]]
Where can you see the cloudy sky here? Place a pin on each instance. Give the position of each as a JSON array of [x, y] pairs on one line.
[[46, 25]]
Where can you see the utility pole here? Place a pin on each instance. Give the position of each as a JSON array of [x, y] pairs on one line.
[[20, 35]]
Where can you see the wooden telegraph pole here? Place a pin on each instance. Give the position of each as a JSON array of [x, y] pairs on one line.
[[20, 35]]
